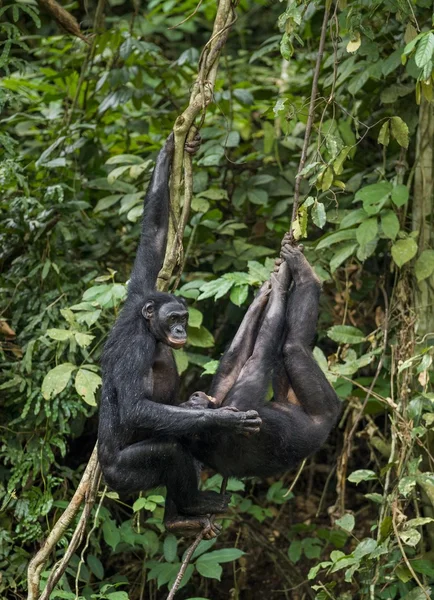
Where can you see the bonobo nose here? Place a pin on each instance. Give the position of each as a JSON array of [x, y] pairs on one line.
[[179, 330]]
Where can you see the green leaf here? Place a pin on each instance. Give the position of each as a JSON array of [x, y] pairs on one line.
[[211, 570], [216, 288], [225, 555], [399, 130], [400, 195], [195, 317], [257, 196], [347, 522], [390, 224], [56, 380], [374, 196], [95, 565], [59, 334], [170, 547], [362, 475], [425, 50], [410, 537], [424, 266], [384, 135], [403, 251], [181, 360], [111, 533], [318, 214], [210, 368], [239, 294], [83, 339], [202, 338], [364, 548], [341, 256], [346, 334], [367, 231], [334, 238], [232, 140], [294, 551], [107, 202], [354, 217], [86, 384]]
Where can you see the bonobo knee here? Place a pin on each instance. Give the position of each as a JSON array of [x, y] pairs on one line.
[[293, 346]]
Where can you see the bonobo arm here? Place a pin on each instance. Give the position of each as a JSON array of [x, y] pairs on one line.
[[152, 247], [144, 414]]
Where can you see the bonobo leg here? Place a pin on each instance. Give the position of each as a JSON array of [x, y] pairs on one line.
[[241, 347], [250, 389], [308, 383], [154, 462]]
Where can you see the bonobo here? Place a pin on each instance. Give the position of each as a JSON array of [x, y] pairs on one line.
[[273, 344], [142, 433]]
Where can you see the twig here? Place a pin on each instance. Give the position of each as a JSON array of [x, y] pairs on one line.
[[191, 550], [310, 118]]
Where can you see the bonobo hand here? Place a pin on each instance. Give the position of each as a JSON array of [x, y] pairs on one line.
[[193, 146], [199, 400], [243, 422]]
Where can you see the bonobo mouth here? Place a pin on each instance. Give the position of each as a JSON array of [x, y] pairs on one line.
[[176, 343]]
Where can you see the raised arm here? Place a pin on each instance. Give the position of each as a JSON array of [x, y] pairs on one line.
[[152, 246]]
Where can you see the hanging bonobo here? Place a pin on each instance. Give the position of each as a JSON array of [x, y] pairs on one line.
[[143, 435], [273, 344]]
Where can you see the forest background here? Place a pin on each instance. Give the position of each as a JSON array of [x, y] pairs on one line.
[[81, 124]]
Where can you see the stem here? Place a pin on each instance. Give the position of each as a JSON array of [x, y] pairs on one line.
[[310, 118]]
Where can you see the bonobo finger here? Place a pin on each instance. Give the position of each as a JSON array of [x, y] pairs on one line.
[[193, 146], [252, 414], [230, 408]]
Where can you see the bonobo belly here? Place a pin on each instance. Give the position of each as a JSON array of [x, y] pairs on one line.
[[237, 456]]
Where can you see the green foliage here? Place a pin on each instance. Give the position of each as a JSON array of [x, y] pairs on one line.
[[80, 132]]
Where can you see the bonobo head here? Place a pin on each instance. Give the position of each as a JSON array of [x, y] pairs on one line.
[[167, 318]]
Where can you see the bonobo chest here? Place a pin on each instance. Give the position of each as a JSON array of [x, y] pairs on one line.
[[165, 376]]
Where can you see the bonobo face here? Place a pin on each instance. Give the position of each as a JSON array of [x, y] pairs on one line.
[[167, 321]]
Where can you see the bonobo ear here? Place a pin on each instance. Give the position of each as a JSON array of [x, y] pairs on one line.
[[148, 310]]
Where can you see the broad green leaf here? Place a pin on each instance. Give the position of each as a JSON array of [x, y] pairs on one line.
[[367, 231], [95, 565], [83, 339], [347, 522], [390, 224], [346, 334], [399, 130], [384, 135], [86, 384], [200, 204], [195, 317], [211, 570], [107, 202], [403, 251], [111, 533], [56, 380], [418, 522], [225, 555], [365, 547], [124, 159], [181, 360], [257, 196], [232, 140], [374, 196], [59, 334], [400, 195], [410, 537], [116, 173], [425, 50], [239, 294], [334, 238], [318, 214], [294, 551], [210, 367], [354, 217], [341, 256], [170, 547], [424, 266], [362, 475], [202, 338], [216, 288]]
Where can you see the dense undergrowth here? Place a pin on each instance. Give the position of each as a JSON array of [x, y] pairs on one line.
[[80, 127]]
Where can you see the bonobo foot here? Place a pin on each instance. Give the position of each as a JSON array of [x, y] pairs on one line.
[[199, 400], [299, 267], [193, 526], [206, 503], [193, 146]]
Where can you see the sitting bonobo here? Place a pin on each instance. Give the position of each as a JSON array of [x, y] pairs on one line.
[[142, 431], [274, 343]]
